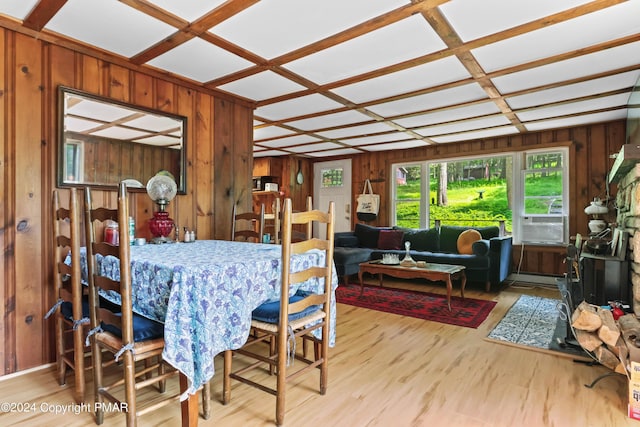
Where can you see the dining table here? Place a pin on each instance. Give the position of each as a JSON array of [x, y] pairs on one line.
[[204, 292]]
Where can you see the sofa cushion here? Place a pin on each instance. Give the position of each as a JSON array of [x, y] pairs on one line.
[[466, 240], [449, 236], [488, 232], [345, 239], [367, 235], [421, 239], [390, 239], [344, 256]]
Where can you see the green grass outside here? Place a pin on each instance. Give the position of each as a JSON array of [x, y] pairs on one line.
[[465, 207]]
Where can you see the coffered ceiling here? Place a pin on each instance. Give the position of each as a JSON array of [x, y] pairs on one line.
[[337, 77]]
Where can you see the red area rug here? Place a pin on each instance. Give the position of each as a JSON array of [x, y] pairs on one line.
[[467, 312]]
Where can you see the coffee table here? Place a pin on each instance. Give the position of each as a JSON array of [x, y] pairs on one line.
[[431, 271]]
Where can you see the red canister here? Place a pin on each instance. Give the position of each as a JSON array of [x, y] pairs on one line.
[[111, 234]]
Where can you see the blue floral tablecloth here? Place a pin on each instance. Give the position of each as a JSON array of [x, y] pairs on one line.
[[205, 291]]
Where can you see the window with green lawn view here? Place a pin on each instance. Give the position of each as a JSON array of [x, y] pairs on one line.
[[525, 191]]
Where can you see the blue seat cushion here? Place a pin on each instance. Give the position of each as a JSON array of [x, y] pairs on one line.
[[143, 329], [66, 308], [270, 312]]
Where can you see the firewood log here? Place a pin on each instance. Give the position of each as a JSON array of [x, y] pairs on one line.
[[606, 358], [608, 332], [630, 331], [586, 318], [629, 326], [615, 349], [624, 356], [588, 340]]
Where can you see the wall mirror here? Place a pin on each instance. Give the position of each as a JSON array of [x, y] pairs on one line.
[[103, 142]]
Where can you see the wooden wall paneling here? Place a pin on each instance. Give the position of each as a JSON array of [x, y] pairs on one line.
[[30, 72], [284, 172], [48, 181], [119, 84], [113, 159], [223, 190], [91, 75], [29, 201], [6, 237], [242, 137], [185, 204], [141, 207], [142, 90], [201, 140], [578, 186], [61, 71]]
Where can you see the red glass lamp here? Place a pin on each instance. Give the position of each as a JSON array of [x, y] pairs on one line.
[[161, 189]]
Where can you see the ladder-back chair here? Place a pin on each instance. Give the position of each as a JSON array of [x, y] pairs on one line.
[[292, 317], [247, 225], [126, 335], [71, 310]]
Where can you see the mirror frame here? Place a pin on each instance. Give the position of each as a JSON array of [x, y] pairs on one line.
[[63, 91]]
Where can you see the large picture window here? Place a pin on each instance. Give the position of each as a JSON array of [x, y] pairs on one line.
[[525, 191]]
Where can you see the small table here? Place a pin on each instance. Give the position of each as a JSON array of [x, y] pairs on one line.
[[431, 271]]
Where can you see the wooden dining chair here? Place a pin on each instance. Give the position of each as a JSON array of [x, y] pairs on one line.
[[247, 226], [71, 310], [306, 231], [291, 318], [129, 337]]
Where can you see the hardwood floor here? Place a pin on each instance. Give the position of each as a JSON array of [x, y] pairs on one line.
[[389, 370]]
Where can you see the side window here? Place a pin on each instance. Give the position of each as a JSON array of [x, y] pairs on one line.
[[408, 196], [544, 201], [527, 191]]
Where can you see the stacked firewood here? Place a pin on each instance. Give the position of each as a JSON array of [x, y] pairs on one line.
[[613, 343]]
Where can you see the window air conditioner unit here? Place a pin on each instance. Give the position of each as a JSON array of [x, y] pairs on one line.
[[543, 229]]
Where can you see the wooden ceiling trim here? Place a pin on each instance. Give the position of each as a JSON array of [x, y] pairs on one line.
[[521, 67], [369, 75], [582, 113], [311, 87], [92, 51], [458, 47], [235, 49], [582, 79], [457, 121], [42, 13], [576, 99], [197, 28], [238, 75], [302, 117], [439, 109], [157, 12], [163, 46], [351, 33], [566, 55], [358, 30], [537, 24]]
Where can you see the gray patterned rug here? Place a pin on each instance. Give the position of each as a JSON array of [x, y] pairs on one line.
[[535, 323]]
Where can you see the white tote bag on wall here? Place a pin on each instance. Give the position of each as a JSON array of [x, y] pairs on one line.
[[368, 203]]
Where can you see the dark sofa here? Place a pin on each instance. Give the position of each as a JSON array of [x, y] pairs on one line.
[[490, 261]]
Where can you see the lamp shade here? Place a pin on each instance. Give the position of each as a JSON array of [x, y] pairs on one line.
[[597, 207], [162, 188]]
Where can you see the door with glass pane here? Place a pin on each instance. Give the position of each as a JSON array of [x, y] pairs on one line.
[[332, 182]]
